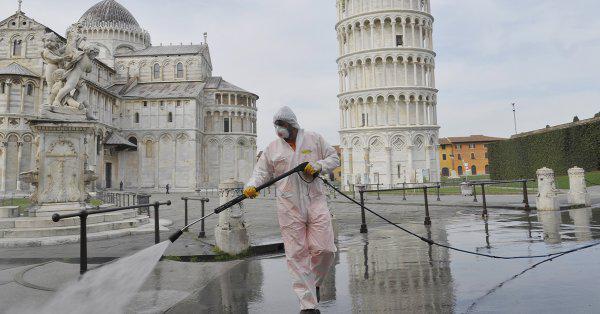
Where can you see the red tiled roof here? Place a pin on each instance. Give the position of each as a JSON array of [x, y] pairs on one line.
[[469, 139]]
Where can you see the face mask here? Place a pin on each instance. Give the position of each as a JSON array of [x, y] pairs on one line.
[[282, 132]]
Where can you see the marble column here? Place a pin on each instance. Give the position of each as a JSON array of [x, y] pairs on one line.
[[350, 164], [366, 167], [8, 92], [3, 161], [396, 72], [428, 159], [412, 28], [19, 153], [156, 149], [418, 116], [372, 37], [22, 102], [405, 66], [409, 175], [388, 160], [407, 102]]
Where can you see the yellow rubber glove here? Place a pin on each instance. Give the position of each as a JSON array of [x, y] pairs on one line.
[[250, 192], [312, 168]]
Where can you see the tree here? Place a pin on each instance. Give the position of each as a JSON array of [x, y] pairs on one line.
[[575, 119]]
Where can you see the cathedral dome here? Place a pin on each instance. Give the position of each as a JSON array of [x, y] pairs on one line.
[[109, 13]]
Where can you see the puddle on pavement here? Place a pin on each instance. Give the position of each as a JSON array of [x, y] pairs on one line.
[[387, 271]]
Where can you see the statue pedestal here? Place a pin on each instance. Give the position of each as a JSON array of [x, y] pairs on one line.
[[64, 113], [59, 174]]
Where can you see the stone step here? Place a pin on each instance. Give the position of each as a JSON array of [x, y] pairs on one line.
[[34, 242], [73, 230], [46, 222]]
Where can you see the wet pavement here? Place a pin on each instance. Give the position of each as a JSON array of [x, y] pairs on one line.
[[387, 271], [383, 271]]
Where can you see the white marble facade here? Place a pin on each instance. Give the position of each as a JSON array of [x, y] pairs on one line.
[[387, 96], [161, 116]]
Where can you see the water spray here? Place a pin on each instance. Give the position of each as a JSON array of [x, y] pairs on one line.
[[238, 199]]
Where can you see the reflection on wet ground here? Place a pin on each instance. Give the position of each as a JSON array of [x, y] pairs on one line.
[[388, 271]]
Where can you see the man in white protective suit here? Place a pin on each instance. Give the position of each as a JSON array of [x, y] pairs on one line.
[[304, 218]]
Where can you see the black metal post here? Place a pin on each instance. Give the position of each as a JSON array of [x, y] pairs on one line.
[[363, 225], [485, 212], [202, 234], [83, 242], [404, 191], [156, 226], [427, 218], [474, 193], [378, 198], [438, 192], [525, 196], [185, 209]]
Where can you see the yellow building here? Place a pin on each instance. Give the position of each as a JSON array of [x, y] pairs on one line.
[[465, 155]]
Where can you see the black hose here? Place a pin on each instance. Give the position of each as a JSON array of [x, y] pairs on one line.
[[431, 242], [239, 199]]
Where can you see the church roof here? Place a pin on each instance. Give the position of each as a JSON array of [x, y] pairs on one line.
[[16, 69], [166, 50], [116, 139], [108, 12], [160, 90], [218, 83]]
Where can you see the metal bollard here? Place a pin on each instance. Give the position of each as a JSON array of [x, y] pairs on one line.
[[83, 242], [202, 234], [485, 212], [427, 218], [525, 196], [363, 225], [156, 226], [474, 193], [438, 192], [185, 210], [378, 198], [404, 191]]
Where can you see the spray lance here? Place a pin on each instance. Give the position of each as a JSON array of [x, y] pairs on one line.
[[238, 199]]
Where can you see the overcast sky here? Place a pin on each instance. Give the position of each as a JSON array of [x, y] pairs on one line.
[[541, 54]]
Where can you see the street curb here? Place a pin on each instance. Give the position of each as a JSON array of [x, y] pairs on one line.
[[258, 250]]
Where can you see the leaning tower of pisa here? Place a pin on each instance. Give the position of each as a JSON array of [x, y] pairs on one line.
[[387, 97]]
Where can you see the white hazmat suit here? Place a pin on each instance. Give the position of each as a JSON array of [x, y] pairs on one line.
[[304, 218]]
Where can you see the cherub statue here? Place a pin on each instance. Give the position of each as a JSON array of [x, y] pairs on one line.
[[53, 55]]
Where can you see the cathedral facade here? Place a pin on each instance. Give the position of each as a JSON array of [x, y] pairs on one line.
[[160, 115]]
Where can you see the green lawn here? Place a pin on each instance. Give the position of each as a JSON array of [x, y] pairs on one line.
[[592, 178], [21, 202]]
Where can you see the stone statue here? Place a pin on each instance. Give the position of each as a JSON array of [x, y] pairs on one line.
[[66, 65], [53, 57]]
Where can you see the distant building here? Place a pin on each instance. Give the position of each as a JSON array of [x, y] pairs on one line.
[[457, 154]]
